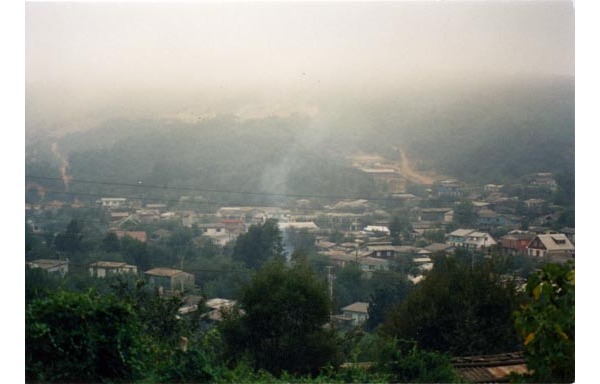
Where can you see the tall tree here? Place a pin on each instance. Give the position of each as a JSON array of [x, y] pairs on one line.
[[71, 239], [350, 286], [395, 230], [388, 288], [259, 244], [459, 310], [281, 328], [110, 243]]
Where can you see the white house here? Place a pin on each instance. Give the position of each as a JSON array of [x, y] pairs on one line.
[[113, 202], [104, 268], [358, 313], [376, 229], [551, 246], [170, 279], [50, 265], [479, 240], [471, 239]]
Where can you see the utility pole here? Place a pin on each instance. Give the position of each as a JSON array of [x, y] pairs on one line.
[[181, 268], [330, 278]]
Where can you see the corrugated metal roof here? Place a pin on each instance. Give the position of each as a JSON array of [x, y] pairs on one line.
[[462, 232], [163, 272], [490, 368], [556, 241], [109, 264]]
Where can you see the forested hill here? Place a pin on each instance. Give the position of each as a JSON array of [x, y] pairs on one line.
[[278, 156], [492, 132], [475, 131]]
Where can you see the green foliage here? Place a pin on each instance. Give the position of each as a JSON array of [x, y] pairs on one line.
[[434, 236], [281, 328], [405, 363], [546, 324], [259, 244], [156, 315], [191, 366], [350, 286], [395, 228], [71, 240], [39, 283], [458, 310], [465, 215], [300, 240], [219, 145], [76, 337], [135, 252], [388, 288], [111, 243]]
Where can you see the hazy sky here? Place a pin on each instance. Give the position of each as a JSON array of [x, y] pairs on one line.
[[131, 45]]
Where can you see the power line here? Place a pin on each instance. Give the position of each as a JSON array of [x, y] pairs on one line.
[[99, 195], [198, 189]]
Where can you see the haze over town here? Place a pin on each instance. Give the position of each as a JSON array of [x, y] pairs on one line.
[[300, 191]]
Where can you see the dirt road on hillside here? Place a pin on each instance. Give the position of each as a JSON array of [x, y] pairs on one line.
[[407, 170], [64, 164]]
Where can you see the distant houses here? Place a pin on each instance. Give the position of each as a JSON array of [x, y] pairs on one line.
[[353, 315], [167, 279], [136, 235], [551, 247], [50, 265], [516, 242], [106, 268], [470, 239], [113, 202]]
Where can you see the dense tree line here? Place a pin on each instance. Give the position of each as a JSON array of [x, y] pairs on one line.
[[120, 329], [459, 309]]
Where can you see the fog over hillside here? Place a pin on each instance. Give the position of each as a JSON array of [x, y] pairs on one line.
[[470, 90]]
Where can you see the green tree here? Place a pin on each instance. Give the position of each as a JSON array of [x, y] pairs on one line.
[[388, 288], [459, 310], [135, 252], [110, 243], [71, 239], [75, 337], [281, 326], [546, 324], [39, 283], [350, 286], [464, 214], [301, 240], [259, 244], [396, 228], [434, 236]]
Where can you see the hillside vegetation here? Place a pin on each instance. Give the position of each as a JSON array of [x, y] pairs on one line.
[[484, 133]]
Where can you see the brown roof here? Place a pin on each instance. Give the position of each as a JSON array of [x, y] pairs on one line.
[[490, 368], [46, 263], [438, 247], [163, 272], [110, 264], [357, 307], [137, 235]]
